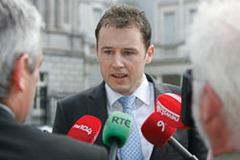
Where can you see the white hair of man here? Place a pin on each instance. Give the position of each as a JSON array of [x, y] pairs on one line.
[[20, 29], [215, 54]]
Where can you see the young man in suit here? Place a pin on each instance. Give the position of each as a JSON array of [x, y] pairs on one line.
[[20, 60], [123, 37], [215, 53]]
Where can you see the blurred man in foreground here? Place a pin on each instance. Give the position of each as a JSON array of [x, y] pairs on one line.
[[20, 60], [215, 54]]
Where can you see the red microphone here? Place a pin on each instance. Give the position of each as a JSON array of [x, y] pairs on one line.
[[168, 106], [156, 131], [86, 129]]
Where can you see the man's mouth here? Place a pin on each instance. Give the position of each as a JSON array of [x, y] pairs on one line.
[[119, 75]]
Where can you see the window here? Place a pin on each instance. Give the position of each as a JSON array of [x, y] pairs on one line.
[[41, 7], [40, 109], [62, 14], [169, 27], [57, 13], [66, 11], [192, 14], [97, 14]]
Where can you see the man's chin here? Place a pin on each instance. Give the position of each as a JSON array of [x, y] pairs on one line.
[[122, 90]]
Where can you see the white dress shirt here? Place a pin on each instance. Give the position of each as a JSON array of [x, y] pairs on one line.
[[144, 106]]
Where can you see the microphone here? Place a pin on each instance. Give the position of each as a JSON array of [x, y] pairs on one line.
[[157, 132], [116, 132], [168, 105], [86, 129]]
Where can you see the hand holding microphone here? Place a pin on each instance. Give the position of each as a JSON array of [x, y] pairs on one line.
[[86, 129], [116, 132]]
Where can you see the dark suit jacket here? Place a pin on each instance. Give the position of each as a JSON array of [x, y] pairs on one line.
[[94, 101], [22, 142]]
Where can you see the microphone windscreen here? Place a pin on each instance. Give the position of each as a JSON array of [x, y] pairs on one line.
[[169, 106], [86, 129], [117, 128], [156, 131]]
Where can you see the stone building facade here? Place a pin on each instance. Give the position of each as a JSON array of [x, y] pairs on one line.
[[68, 43]]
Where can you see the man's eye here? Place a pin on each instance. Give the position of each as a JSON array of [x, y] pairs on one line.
[[128, 53], [108, 52]]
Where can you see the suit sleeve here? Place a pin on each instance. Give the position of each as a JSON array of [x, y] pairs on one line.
[[196, 144], [60, 124]]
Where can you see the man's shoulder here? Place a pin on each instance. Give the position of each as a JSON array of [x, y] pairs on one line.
[[83, 98], [171, 87], [163, 87], [54, 145], [85, 94]]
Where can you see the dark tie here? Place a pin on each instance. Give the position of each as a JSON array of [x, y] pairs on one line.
[[132, 150]]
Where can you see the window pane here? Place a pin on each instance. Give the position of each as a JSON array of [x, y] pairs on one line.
[[66, 9], [192, 13], [169, 27], [97, 14]]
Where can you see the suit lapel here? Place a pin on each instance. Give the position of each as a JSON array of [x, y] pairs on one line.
[[98, 99], [159, 88]]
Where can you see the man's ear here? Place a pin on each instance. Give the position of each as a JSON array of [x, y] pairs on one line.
[[150, 53], [213, 119], [96, 48], [211, 104], [20, 71]]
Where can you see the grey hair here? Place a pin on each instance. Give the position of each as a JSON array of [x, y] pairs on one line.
[[20, 30], [215, 54]]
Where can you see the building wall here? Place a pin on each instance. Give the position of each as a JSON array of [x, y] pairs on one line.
[[68, 41], [168, 35], [68, 44], [171, 19]]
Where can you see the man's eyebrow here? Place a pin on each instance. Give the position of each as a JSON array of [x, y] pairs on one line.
[[125, 49], [131, 49], [106, 47]]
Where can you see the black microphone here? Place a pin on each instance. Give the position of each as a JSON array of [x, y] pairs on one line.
[[116, 132]]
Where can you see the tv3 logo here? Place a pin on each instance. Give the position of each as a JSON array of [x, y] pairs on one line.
[[161, 124]]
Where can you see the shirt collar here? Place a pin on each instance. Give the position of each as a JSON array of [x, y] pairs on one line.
[[142, 93], [7, 109]]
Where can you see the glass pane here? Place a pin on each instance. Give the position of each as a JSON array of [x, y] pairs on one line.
[[169, 27]]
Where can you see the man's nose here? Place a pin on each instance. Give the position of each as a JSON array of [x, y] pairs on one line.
[[118, 60]]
